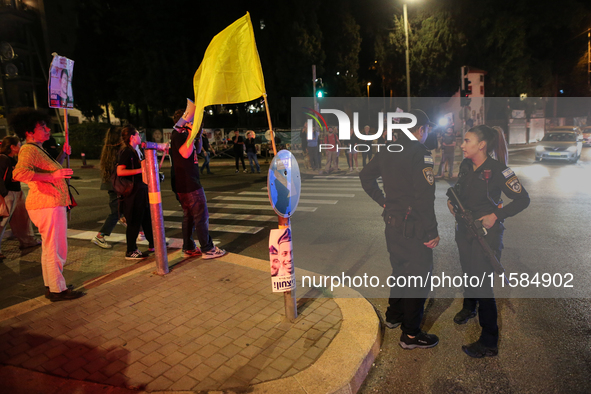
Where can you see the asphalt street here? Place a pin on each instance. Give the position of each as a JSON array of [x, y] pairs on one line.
[[337, 229]]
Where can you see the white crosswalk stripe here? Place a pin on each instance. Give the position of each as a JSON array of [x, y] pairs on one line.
[[257, 199], [302, 194], [249, 207]]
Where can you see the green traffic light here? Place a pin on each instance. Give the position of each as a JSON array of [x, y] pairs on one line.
[[319, 93]]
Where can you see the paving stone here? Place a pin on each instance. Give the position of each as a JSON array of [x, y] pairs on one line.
[[176, 372], [74, 364], [97, 377], [113, 368], [190, 348], [161, 383], [221, 374], [250, 351], [185, 383], [206, 385], [34, 362], [282, 364], [149, 347], [174, 358], [246, 373], [233, 382], [222, 341], [79, 374], [267, 374], [50, 365], [192, 361], [151, 359], [215, 360], [157, 369]]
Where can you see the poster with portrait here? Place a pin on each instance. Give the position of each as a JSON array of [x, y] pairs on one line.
[[281, 260], [60, 83]]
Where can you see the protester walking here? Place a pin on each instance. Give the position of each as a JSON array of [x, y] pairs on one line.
[[108, 165], [206, 154]]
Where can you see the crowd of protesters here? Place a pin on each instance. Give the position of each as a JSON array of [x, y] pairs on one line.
[[38, 163]]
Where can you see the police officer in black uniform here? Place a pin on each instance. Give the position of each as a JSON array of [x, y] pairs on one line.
[[411, 227], [481, 180]]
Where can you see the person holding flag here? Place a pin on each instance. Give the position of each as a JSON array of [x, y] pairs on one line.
[[190, 193]]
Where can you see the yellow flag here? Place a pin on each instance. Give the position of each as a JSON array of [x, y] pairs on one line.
[[230, 72]]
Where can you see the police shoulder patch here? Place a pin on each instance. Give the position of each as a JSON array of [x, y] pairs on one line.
[[429, 176], [508, 173], [514, 184], [428, 160]]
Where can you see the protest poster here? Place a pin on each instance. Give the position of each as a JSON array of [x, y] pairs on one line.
[[281, 260], [60, 83]]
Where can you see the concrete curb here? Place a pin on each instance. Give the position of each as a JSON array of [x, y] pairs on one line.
[[341, 369]]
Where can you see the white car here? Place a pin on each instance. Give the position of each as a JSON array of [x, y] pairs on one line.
[[560, 143]]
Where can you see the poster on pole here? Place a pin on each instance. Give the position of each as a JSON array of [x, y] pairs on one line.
[[281, 260], [60, 83]]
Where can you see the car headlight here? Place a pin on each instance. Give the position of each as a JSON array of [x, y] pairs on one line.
[[572, 149], [539, 148]]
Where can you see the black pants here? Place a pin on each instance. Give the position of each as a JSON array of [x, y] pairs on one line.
[[239, 155], [474, 263], [137, 214], [409, 257], [367, 156]]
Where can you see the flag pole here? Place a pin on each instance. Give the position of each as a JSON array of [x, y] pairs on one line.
[[270, 125], [289, 297]]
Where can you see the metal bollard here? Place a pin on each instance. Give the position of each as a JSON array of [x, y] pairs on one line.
[[151, 172], [83, 158], [289, 297]]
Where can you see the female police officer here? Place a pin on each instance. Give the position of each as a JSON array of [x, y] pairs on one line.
[[481, 180]]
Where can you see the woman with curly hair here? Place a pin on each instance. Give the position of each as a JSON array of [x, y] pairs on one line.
[[108, 166], [47, 200]]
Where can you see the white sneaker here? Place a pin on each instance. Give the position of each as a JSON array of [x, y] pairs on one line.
[[100, 242], [141, 236], [214, 253]]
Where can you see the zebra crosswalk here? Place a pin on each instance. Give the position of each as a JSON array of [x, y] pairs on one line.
[[249, 212]]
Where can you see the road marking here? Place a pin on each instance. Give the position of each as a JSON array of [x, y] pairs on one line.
[[173, 243], [247, 207], [303, 194], [343, 188], [336, 177], [255, 199]]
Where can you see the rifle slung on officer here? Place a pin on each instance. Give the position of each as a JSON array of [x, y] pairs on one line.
[[476, 229]]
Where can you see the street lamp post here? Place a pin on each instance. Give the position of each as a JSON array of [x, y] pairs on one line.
[[407, 58], [368, 85]]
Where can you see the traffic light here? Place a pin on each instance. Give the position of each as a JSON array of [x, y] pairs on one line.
[[465, 98], [465, 93], [319, 93]]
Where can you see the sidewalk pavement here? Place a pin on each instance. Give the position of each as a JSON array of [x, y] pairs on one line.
[[208, 325]]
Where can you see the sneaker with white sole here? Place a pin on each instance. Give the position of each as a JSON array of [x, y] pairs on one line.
[[422, 341], [214, 253], [192, 253], [141, 236], [100, 242], [135, 255]]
